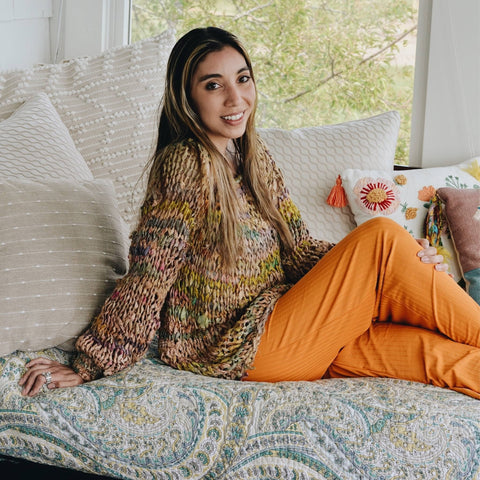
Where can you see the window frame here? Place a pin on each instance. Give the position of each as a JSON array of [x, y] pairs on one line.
[[88, 27], [420, 83]]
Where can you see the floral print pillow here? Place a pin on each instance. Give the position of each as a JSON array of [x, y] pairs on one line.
[[406, 196]]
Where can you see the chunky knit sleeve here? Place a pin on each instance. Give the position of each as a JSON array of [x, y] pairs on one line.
[[307, 250], [121, 333]]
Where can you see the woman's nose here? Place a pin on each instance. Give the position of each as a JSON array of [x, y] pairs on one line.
[[233, 95]]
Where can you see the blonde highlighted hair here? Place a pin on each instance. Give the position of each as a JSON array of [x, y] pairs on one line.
[[179, 121]]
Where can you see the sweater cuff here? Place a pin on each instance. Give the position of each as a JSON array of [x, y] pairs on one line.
[[86, 368]]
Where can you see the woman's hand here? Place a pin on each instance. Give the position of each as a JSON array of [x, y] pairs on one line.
[[42, 371], [428, 254]]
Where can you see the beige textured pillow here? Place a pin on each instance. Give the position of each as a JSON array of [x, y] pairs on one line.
[[34, 143], [108, 103], [311, 158], [62, 247]]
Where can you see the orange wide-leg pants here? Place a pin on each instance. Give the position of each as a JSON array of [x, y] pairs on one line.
[[370, 307]]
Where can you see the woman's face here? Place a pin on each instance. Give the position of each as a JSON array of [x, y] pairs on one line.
[[223, 93]]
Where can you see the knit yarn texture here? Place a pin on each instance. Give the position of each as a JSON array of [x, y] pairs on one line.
[[209, 317]]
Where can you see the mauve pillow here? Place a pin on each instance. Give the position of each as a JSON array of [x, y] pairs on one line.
[[462, 211]]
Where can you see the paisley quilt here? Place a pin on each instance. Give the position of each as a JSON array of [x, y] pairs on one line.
[[151, 421]]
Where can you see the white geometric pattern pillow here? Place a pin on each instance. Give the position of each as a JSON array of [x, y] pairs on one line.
[[109, 104], [63, 245], [311, 159], [34, 143], [404, 196]]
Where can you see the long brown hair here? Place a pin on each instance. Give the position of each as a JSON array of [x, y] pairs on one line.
[[179, 121]]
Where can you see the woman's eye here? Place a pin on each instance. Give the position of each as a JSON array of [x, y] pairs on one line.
[[244, 79], [212, 86]]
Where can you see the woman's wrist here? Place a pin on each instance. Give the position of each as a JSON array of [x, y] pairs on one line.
[[86, 368]]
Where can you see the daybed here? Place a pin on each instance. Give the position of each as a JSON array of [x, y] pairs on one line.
[[74, 138]]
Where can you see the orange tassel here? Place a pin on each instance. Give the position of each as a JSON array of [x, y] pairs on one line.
[[337, 197]]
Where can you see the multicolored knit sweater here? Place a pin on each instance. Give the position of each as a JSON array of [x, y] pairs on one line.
[[209, 318]]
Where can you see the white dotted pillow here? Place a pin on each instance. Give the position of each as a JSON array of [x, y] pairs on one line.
[[62, 247]]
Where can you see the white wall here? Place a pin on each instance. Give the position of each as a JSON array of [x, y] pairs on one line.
[[48, 31], [24, 32]]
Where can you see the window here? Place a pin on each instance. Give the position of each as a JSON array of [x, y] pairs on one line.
[[316, 62]]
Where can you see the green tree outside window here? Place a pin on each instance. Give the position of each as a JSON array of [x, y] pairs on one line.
[[316, 62]]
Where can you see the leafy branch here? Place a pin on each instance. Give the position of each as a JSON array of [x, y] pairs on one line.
[[251, 11], [334, 74]]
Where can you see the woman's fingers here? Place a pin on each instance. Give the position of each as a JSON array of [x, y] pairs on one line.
[[423, 242], [43, 372], [40, 361], [429, 254], [441, 267], [36, 384], [35, 366]]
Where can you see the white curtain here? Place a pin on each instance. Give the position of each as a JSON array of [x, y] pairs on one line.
[[451, 116]]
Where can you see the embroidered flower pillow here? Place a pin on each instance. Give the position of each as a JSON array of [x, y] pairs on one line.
[[405, 196], [462, 213]]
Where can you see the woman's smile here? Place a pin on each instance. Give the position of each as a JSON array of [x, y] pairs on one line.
[[233, 118]]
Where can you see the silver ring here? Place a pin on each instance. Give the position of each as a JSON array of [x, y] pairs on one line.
[[48, 377]]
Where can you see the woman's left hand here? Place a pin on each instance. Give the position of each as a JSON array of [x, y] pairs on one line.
[[428, 254]]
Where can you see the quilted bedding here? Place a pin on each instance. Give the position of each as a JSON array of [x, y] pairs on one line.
[[151, 421]]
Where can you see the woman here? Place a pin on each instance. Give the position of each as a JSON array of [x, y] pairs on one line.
[[223, 267]]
